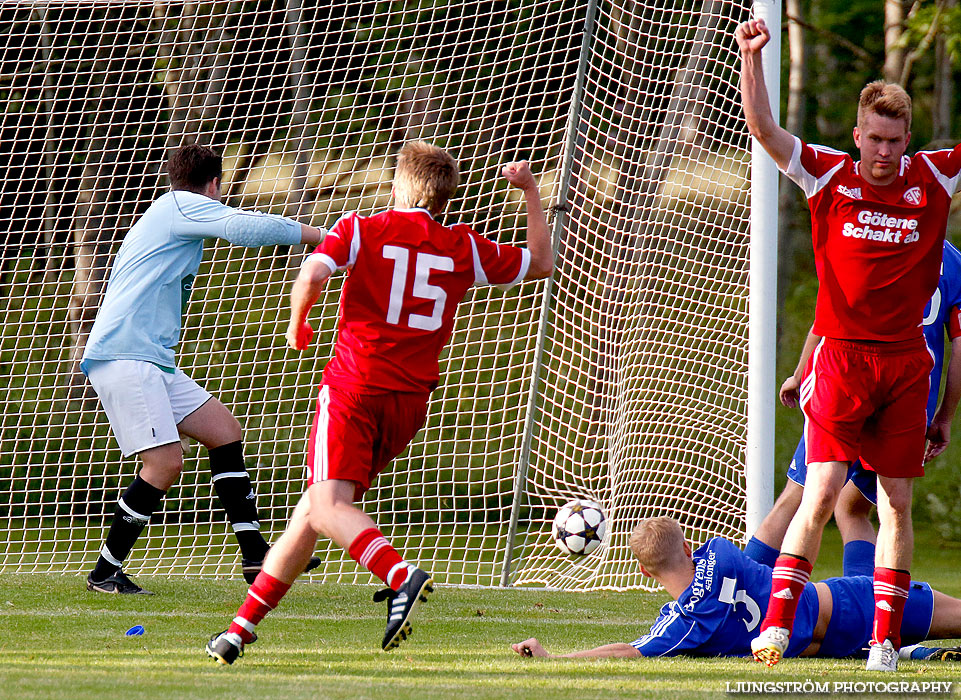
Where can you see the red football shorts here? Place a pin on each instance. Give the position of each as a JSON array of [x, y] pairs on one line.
[[355, 436], [868, 400]]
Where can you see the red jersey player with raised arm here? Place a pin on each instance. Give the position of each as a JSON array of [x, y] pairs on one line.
[[407, 274], [878, 228]]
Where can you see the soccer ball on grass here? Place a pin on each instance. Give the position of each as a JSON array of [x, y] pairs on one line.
[[579, 527]]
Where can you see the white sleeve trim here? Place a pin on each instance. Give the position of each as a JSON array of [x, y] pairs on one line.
[[950, 184], [795, 162], [806, 181], [324, 258], [354, 242], [354, 246], [681, 640], [480, 275], [658, 629], [522, 273]]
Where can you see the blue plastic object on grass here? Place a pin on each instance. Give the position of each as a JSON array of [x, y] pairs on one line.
[[135, 631]]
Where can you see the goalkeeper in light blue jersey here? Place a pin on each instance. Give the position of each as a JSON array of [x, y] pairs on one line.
[[720, 596], [130, 360]]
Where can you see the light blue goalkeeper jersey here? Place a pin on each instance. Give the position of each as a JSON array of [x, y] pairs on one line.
[[153, 273]]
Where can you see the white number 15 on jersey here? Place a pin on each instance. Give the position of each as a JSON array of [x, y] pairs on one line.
[[423, 289]]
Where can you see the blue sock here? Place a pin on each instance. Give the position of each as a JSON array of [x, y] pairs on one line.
[[859, 558], [917, 652], [763, 553]]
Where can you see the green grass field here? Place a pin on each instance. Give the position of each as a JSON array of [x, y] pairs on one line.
[[59, 641]]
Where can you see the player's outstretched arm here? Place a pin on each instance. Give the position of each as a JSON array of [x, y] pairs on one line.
[[311, 235], [304, 294], [213, 219], [751, 37], [538, 235], [532, 647], [939, 432]]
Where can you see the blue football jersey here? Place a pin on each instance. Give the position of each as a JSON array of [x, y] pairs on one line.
[[937, 316], [721, 611]]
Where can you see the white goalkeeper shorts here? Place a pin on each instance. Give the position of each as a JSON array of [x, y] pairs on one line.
[[143, 403]]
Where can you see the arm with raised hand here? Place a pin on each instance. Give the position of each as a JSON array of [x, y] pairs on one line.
[[538, 234], [751, 37]]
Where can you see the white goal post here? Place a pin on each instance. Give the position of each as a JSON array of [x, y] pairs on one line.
[[623, 379], [762, 325]]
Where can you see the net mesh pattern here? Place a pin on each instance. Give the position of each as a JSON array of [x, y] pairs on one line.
[[628, 112]]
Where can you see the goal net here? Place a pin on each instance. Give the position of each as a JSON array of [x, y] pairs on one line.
[[622, 379]]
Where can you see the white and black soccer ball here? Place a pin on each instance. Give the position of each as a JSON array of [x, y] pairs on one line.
[[579, 527]]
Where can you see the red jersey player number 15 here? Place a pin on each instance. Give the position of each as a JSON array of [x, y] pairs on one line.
[[407, 273]]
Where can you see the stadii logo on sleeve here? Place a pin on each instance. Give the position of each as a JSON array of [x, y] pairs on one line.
[[186, 288], [852, 192]]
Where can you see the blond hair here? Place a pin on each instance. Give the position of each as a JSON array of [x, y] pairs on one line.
[[426, 176], [886, 100], [658, 543]]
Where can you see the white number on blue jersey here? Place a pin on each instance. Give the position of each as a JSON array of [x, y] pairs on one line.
[[731, 595], [935, 308]]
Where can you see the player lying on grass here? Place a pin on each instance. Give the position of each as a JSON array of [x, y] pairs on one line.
[[407, 274], [852, 512], [130, 359], [720, 595]]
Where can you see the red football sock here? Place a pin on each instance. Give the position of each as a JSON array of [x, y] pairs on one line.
[[890, 594], [264, 595], [372, 551], [787, 584]]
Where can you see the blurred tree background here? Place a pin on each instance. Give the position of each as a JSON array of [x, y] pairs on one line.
[[95, 94], [308, 101]]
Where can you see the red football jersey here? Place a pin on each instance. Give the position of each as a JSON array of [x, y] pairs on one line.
[[877, 250], [407, 274]]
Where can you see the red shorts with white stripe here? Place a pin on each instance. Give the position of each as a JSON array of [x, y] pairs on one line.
[[867, 400], [355, 436]]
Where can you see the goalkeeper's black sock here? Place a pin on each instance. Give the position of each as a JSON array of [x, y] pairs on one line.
[[237, 497], [134, 509]]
